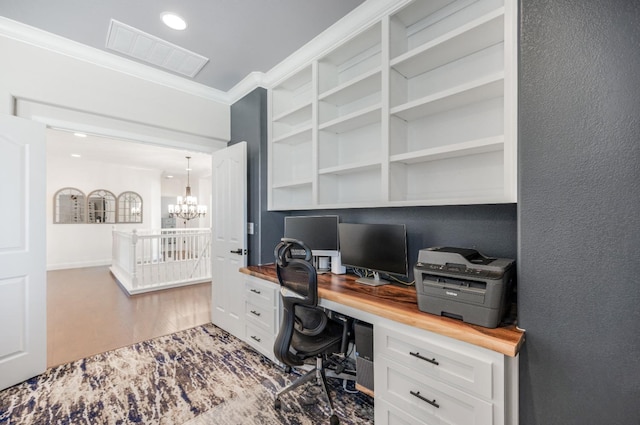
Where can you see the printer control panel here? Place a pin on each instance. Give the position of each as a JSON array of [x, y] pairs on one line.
[[460, 270]]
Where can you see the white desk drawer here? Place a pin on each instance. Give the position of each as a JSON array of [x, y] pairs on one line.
[[386, 414], [461, 365], [261, 293], [259, 339], [429, 400], [264, 317]]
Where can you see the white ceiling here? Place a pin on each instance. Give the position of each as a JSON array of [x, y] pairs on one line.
[[127, 154], [238, 36]]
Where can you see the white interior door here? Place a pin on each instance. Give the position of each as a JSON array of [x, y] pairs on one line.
[[23, 309], [229, 209]]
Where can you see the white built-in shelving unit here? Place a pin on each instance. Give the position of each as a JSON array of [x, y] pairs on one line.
[[291, 139], [417, 108]]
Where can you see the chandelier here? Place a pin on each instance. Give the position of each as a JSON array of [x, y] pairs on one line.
[[187, 207]]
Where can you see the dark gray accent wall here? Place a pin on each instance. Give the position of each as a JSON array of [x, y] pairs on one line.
[[249, 124], [579, 212], [491, 229]]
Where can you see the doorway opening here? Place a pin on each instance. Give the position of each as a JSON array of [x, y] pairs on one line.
[[88, 313]]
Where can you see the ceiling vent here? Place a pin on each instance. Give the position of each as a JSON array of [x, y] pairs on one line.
[[147, 48]]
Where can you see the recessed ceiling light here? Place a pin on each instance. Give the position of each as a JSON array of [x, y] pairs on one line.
[[79, 134], [173, 21], [76, 155], [169, 177]]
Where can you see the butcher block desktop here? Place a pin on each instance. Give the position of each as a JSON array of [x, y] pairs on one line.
[[399, 303]]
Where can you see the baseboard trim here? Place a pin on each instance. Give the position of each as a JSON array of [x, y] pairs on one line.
[[78, 265]]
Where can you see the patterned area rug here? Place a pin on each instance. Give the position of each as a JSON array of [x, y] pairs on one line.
[[198, 376]]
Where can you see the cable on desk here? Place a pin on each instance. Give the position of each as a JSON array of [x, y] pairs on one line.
[[367, 273]]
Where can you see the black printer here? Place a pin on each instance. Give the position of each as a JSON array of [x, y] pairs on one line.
[[463, 284]]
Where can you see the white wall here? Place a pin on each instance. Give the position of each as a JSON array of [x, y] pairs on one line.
[[36, 75], [85, 245], [51, 86]]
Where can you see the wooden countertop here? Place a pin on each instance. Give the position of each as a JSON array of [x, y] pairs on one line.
[[400, 304]]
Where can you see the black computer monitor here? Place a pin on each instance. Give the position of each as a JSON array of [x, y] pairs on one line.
[[380, 248], [320, 233]]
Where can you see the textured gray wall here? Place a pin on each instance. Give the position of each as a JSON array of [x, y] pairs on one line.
[[579, 146]]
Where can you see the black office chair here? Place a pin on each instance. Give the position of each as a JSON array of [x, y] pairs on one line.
[[305, 331]]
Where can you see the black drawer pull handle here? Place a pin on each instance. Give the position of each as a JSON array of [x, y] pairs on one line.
[[431, 402], [255, 291], [257, 313], [432, 361], [256, 338]]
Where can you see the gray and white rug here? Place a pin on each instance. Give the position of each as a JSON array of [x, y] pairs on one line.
[[198, 376]]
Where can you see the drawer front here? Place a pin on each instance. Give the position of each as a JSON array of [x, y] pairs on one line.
[[260, 340], [429, 400], [261, 293], [461, 365], [390, 415], [263, 317]]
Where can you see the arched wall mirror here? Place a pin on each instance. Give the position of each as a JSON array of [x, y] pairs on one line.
[[69, 206], [129, 208], [101, 207]]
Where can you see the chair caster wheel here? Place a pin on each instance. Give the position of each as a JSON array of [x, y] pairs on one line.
[[276, 403], [334, 420]]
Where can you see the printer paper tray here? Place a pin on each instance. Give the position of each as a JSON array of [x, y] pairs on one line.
[[462, 290]]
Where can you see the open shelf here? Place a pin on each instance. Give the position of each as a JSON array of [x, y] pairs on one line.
[[477, 35], [297, 136], [355, 167], [295, 115], [450, 180], [474, 91], [359, 186], [416, 11], [490, 144], [291, 99], [361, 118], [293, 184], [351, 59], [354, 89], [295, 196]]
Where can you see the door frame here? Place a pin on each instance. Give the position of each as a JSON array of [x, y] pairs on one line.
[[61, 118]]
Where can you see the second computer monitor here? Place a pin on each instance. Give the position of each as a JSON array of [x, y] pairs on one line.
[[374, 247]]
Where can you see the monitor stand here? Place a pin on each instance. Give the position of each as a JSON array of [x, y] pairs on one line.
[[373, 281], [321, 264]]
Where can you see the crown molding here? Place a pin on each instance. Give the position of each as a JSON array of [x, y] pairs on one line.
[[45, 40], [247, 85], [361, 17]]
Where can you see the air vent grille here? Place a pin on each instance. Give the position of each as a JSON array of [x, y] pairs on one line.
[[145, 47]]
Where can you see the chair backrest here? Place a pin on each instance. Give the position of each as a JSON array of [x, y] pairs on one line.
[[295, 271], [299, 292]]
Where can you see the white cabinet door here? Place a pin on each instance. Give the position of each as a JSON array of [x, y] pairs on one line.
[[23, 309], [229, 209]]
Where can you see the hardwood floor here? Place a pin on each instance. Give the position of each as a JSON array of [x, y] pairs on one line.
[[88, 313]]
